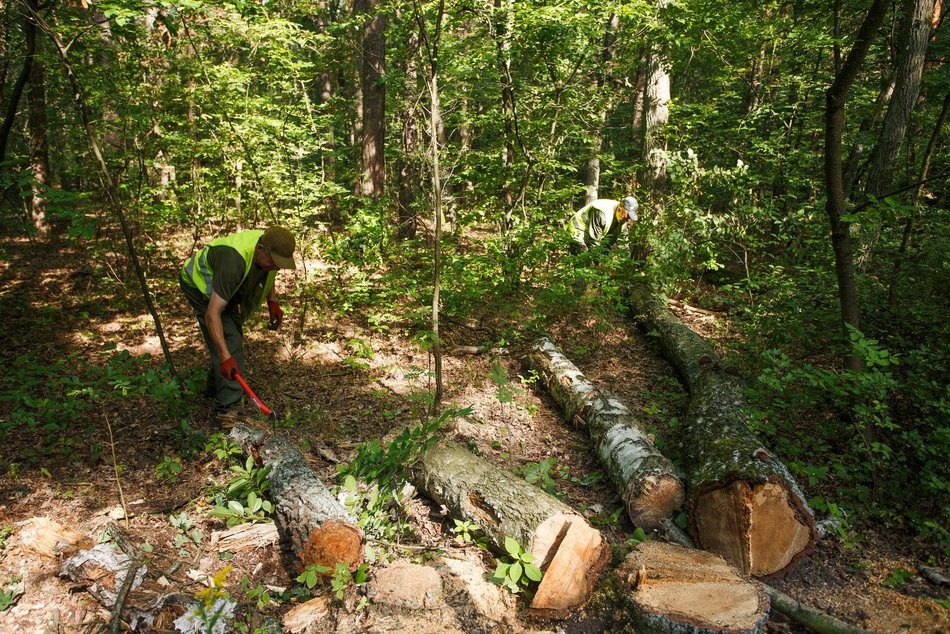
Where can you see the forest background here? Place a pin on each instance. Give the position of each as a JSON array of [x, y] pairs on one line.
[[790, 160]]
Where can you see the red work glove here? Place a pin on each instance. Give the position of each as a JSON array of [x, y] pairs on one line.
[[276, 315], [229, 368]]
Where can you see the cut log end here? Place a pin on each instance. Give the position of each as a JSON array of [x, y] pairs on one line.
[[653, 499], [679, 590], [577, 558], [755, 527], [335, 541]]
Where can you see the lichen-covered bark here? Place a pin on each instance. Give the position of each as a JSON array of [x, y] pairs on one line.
[[722, 451], [303, 502], [502, 504], [644, 478]]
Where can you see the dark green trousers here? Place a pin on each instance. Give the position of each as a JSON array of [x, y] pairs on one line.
[[227, 393]]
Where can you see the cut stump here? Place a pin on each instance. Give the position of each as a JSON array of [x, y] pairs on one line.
[[743, 503], [677, 590], [504, 505], [318, 528], [644, 478]]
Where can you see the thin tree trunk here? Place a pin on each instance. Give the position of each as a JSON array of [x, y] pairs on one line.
[[431, 45], [597, 142], [39, 144], [504, 32], [835, 99], [656, 110], [111, 190], [408, 172], [29, 37], [909, 224], [372, 79]]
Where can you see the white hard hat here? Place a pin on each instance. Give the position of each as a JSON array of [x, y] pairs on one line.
[[630, 205]]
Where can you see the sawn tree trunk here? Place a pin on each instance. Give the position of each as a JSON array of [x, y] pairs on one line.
[[743, 503], [315, 524], [644, 478], [569, 551]]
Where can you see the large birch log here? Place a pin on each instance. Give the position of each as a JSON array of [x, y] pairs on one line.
[[644, 478], [567, 548], [743, 503], [675, 590], [316, 525]]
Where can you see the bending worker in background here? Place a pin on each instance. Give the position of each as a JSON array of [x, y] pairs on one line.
[[601, 221], [225, 282]]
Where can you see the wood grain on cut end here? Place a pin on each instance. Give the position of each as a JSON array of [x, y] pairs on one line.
[[658, 497], [569, 579], [675, 589], [755, 527], [335, 541]]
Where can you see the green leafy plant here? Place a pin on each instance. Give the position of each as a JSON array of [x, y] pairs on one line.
[[10, 592], [169, 469], [340, 577], [519, 574], [187, 533], [539, 473], [222, 447], [381, 513], [233, 512], [248, 478], [467, 532], [384, 465], [898, 578], [637, 536]]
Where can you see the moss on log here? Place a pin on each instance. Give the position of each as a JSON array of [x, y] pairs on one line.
[[743, 503], [644, 478]]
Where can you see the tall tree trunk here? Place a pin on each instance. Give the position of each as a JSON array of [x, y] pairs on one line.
[[913, 38], [504, 26], [597, 138], [909, 223], [835, 99], [408, 172], [29, 38], [324, 88], [656, 109], [431, 46], [39, 147], [373, 88]]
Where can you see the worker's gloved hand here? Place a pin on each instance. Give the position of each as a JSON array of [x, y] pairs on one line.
[[276, 315], [229, 368]]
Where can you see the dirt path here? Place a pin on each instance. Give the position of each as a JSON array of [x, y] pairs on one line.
[[342, 383]]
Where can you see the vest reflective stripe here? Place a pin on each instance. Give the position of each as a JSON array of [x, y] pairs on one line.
[[197, 270]]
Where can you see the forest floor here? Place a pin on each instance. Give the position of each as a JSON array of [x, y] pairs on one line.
[[343, 382]]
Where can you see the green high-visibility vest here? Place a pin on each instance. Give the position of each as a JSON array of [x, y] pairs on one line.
[[595, 221], [197, 270]]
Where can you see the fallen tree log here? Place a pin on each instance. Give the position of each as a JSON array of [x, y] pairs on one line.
[[673, 590], [814, 620], [743, 503], [315, 524], [644, 478], [567, 548]]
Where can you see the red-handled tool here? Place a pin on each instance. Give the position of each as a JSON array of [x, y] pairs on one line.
[[266, 411]]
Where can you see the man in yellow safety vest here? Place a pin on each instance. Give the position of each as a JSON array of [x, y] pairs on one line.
[[225, 282], [601, 221]]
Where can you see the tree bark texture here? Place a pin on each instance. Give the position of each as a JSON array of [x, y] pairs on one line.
[[675, 590], [29, 37], [504, 505], [743, 503], [913, 41], [835, 99], [644, 478], [656, 109], [372, 80], [316, 525]]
